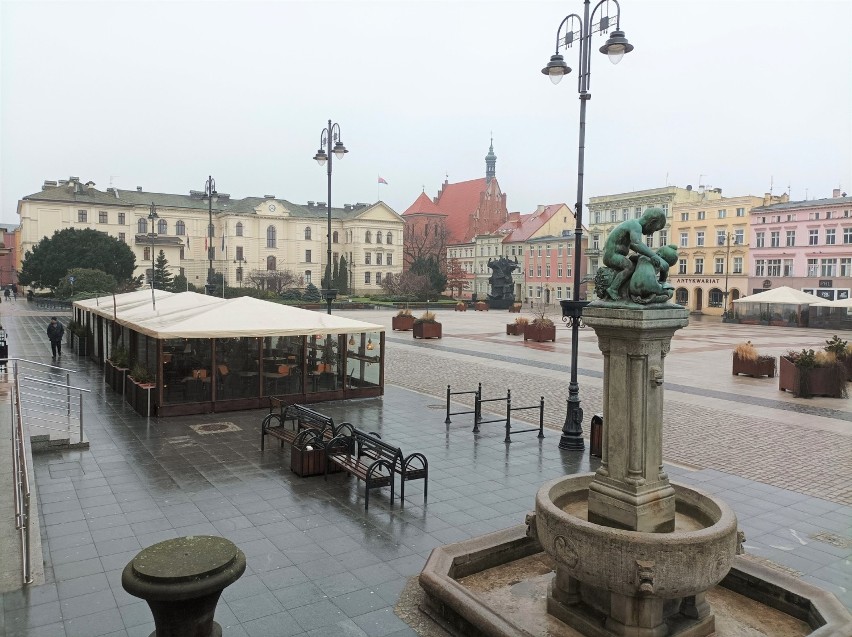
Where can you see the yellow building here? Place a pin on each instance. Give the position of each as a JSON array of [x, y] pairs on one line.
[[712, 241]]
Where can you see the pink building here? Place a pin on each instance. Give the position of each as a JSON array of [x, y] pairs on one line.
[[805, 245], [8, 257], [549, 268]]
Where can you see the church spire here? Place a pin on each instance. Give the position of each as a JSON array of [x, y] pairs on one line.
[[490, 163]]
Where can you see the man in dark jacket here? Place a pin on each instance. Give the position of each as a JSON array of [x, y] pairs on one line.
[[55, 332]]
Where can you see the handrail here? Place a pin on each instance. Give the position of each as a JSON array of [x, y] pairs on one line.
[[21, 477], [24, 360], [48, 382]]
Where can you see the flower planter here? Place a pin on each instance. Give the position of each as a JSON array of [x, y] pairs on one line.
[[427, 330], [764, 366], [819, 382], [540, 333], [115, 376], [848, 362], [515, 329], [461, 307], [481, 306], [402, 323]]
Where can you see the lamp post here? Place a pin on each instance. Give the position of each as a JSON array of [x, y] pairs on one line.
[[239, 261], [152, 217], [615, 47], [324, 154], [727, 265], [211, 196]]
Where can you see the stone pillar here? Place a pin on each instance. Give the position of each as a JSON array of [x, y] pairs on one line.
[[630, 490]]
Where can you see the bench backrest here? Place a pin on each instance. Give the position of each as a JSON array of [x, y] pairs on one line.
[[369, 445]]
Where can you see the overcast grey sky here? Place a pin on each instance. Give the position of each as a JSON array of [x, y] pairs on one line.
[[161, 94]]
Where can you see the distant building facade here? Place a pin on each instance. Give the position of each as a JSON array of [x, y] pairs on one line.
[[805, 245], [253, 234], [712, 238]]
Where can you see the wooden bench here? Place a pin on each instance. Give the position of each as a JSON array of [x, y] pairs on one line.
[[299, 417], [369, 458]]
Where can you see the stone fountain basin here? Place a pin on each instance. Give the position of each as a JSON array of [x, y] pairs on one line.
[[694, 557]]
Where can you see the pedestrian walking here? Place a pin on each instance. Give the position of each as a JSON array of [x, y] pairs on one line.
[[7, 293], [55, 332], [4, 350]]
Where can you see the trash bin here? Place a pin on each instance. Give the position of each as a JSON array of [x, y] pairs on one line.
[[596, 436]]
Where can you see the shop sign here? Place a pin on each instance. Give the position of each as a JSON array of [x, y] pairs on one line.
[[825, 283], [682, 281]]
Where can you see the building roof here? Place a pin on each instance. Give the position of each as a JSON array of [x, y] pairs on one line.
[[72, 191], [423, 205], [459, 201], [809, 203]]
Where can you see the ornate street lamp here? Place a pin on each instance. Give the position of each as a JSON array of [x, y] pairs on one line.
[[240, 261], [324, 154], [581, 29], [725, 315], [152, 217], [210, 195]]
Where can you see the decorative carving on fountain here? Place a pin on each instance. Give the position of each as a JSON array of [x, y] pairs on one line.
[[645, 575], [564, 551], [532, 531], [741, 538]]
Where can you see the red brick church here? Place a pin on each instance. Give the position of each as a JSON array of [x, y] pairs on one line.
[[459, 213]]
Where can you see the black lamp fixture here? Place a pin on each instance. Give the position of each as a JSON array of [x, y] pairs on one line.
[[323, 157], [211, 196], [572, 29]]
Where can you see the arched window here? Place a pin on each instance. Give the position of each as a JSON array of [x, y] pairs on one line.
[[368, 237], [378, 237], [426, 230], [389, 238], [270, 237], [180, 228], [163, 226], [307, 234], [270, 263], [436, 229], [142, 226], [334, 237], [239, 228], [146, 254]]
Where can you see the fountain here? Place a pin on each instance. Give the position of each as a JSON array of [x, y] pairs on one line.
[[634, 554]]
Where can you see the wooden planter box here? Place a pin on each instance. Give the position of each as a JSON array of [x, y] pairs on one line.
[[115, 376], [765, 367], [515, 329], [461, 307], [136, 395], [310, 462], [819, 379], [848, 367], [402, 323], [481, 306], [540, 333], [427, 330]]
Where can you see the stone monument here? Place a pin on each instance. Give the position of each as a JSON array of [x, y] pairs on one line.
[[502, 295]]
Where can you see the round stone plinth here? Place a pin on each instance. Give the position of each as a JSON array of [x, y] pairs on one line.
[[182, 579]]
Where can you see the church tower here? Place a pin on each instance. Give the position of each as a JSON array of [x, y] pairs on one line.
[[490, 163]]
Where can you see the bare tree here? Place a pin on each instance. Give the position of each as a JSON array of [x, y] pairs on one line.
[[421, 241], [274, 280], [407, 285], [456, 276]]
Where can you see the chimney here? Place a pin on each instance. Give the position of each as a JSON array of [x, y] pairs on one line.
[[90, 184], [347, 206], [835, 193], [138, 188], [311, 204], [48, 184], [269, 196], [321, 204]]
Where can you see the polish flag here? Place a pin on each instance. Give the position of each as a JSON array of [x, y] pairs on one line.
[[383, 181]]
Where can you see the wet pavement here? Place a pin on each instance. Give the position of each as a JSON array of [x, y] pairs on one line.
[[318, 564]]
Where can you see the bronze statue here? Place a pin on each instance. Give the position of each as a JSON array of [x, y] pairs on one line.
[[502, 293], [639, 277]]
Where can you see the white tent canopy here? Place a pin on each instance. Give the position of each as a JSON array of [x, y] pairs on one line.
[[847, 303], [110, 305], [191, 315], [781, 296]]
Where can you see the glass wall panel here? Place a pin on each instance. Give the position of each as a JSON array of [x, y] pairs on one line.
[[282, 365], [324, 369], [198, 366], [237, 368], [363, 360]]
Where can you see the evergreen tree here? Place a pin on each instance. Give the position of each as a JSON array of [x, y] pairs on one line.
[[430, 268], [326, 278], [334, 276], [163, 278], [312, 294], [179, 284], [342, 280]]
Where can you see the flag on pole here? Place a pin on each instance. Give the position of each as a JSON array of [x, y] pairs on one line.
[[383, 181], [187, 242]]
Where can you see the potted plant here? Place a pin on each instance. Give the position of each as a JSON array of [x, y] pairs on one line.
[[808, 373], [403, 321], [517, 328], [515, 308], [541, 328], [481, 306], [461, 306], [842, 351], [427, 326], [141, 381], [747, 361], [118, 363]]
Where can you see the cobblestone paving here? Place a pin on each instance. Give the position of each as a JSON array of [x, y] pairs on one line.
[[760, 449]]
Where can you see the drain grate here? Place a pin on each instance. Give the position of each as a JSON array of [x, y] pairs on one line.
[[215, 428]]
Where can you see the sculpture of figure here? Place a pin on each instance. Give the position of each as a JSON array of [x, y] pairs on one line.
[[500, 280], [648, 283], [627, 236]]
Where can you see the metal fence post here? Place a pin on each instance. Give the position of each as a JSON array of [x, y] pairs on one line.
[[448, 421], [477, 406], [541, 419], [81, 418], [68, 392], [508, 415]]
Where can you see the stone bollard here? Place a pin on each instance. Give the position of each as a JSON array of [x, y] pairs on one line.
[[182, 579]]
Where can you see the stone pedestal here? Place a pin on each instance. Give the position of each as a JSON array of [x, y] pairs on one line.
[[182, 579], [630, 490]]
